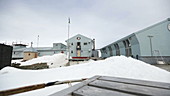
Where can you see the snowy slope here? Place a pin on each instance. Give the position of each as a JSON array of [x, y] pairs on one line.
[[56, 60], [118, 66]]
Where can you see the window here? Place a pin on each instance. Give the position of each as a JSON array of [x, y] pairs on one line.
[[62, 47], [104, 50], [85, 43], [71, 51], [117, 49], [110, 50], [71, 43], [29, 54], [14, 52], [78, 38]]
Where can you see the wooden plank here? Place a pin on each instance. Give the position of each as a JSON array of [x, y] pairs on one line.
[[128, 88], [94, 91], [68, 91], [21, 89], [137, 82]]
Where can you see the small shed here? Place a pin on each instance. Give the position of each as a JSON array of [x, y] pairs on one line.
[[5, 55], [30, 53]]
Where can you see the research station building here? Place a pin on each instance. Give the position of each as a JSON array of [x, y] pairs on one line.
[[80, 47], [151, 45], [20, 49]]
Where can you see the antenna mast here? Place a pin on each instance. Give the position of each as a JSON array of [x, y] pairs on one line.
[[68, 45], [37, 40]]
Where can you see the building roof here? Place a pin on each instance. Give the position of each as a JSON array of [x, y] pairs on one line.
[[20, 45], [147, 28], [79, 35], [132, 34]]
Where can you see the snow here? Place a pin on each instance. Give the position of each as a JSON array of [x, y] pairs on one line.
[[56, 60], [117, 66]]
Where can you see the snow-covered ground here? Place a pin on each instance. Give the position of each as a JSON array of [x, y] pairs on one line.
[[118, 66], [56, 60]]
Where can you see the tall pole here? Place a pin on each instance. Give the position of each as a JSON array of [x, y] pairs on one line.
[[68, 45], [37, 40], [150, 38]]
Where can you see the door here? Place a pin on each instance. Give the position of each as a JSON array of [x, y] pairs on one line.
[[78, 53]]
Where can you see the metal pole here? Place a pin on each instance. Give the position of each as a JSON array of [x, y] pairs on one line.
[[37, 40], [150, 38], [68, 45]]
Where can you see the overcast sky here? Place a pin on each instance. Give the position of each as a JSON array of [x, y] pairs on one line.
[[104, 20]]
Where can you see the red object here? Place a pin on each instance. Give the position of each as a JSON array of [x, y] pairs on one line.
[[80, 57]]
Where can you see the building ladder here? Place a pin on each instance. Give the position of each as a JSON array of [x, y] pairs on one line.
[[157, 53]]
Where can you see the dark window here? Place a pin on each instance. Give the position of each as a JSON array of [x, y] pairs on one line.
[[104, 50], [71, 43], [110, 50], [117, 49], [78, 43], [78, 47], [14, 52], [85, 43], [29, 54], [127, 45], [71, 51]]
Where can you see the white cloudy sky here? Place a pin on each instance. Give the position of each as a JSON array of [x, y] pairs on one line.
[[104, 20]]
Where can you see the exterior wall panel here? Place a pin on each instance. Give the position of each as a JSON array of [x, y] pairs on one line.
[[160, 39]]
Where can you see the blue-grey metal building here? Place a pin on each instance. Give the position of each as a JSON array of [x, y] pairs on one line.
[[80, 47], [18, 50], [150, 44]]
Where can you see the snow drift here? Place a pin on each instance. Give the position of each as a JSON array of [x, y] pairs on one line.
[[56, 60], [118, 66]]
